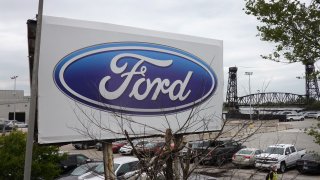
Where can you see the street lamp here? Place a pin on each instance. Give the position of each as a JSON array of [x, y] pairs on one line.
[[249, 74], [14, 93]]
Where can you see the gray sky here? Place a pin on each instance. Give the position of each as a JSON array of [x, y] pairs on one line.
[[224, 20]]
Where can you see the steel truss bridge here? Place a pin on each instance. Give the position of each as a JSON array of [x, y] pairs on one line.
[[271, 98]]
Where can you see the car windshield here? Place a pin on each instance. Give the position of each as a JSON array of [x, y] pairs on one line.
[[275, 150], [134, 143], [219, 143], [140, 143], [200, 144], [150, 145], [100, 168], [245, 151], [80, 170], [311, 157]]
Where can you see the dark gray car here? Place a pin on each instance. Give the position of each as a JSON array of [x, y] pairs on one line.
[[80, 170]]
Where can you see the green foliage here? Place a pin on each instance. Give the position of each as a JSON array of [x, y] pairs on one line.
[[315, 132], [293, 26], [313, 105], [12, 155]]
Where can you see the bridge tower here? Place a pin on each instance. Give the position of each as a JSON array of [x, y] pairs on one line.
[[232, 93], [312, 88]]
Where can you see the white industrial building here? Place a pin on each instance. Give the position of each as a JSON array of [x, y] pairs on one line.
[[13, 104]]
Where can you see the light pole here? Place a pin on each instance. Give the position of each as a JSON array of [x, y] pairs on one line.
[[249, 74], [14, 93]]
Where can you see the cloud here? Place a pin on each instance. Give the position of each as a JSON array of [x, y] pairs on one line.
[[224, 20]]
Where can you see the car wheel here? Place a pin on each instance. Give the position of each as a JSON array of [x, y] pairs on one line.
[[282, 167], [220, 160], [302, 119], [301, 170]]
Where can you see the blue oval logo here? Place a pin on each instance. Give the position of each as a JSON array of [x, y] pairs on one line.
[[135, 78]]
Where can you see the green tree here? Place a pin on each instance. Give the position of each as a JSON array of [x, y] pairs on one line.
[[314, 131], [12, 155], [293, 26]]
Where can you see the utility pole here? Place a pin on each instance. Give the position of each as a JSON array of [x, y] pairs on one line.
[[249, 74], [14, 94], [34, 95]]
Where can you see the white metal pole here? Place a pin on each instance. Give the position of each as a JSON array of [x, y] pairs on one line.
[[15, 93], [250, 97], [34, 95], [250, 113]]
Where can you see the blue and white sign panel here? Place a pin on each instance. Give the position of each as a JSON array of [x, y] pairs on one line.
[[97, 80]]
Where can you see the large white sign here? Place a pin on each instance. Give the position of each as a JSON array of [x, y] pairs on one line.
[[97, 80]]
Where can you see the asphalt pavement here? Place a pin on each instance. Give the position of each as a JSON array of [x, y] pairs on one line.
[[295, 135]]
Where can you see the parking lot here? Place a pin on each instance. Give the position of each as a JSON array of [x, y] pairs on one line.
[[294, 135]]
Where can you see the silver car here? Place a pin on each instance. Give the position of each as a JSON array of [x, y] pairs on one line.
[[295, 117], [245, 156], [127, 149]]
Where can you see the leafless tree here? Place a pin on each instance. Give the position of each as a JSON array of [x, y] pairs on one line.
[[169, 160]]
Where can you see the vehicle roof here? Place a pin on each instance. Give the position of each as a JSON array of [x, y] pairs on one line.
[[121, 160], [75, 154], [250, 149], [156, 142], [211, 140], [120, 142], [281, 145]]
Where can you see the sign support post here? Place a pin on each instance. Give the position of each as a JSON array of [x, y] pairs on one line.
[[108, 160], [34, 95]]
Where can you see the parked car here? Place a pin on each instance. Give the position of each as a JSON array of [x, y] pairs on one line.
[[196, 148], [294, 117], [15, 123], [98, 146], [151, 149], [309, 163], [219, 152], [281, 155], [84, 144], [286, 112], [72, 161], [80, 170], [187, 146], [124, 167], [199, 146], [115, 146], [245, 156], [315, 115], [4, 126], [127, 149]]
